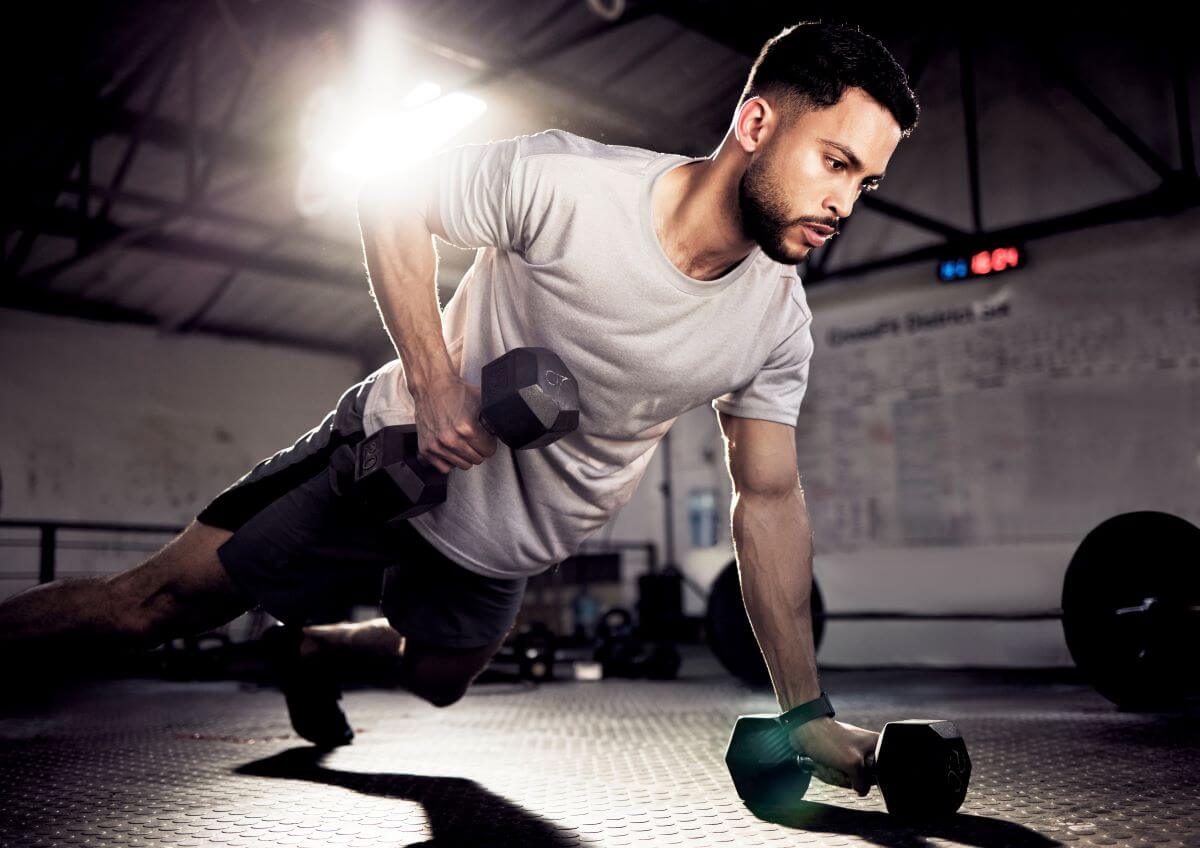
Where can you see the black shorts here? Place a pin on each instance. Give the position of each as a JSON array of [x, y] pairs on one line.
[[295, 542]]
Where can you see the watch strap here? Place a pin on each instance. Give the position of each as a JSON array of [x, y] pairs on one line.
[[796, 716]]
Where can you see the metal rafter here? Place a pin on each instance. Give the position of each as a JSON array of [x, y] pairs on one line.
[[136, 138], [203, 147], [1076, 86], [283, 233], [199, 143], [1180, 190], [87, 112], [64, 224], [1183, 114], [204, 212], [60, 303], [966, 67], [1168, 198], [190, 137]]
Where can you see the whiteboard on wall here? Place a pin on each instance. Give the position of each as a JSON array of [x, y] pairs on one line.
[[1021, 411]]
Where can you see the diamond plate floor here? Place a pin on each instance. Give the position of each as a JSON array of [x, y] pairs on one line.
[[141, 762]]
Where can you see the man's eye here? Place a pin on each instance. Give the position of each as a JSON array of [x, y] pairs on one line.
[[836, 161]]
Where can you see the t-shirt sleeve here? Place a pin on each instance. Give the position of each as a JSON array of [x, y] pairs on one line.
[[474, 183], [777, 390]]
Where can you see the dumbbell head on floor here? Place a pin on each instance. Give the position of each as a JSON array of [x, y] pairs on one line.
[[528, 399], [920, 765]]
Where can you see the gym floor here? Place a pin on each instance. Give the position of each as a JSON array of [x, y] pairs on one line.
[[145, 762]]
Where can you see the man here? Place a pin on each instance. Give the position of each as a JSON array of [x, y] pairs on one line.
[[662, 281]]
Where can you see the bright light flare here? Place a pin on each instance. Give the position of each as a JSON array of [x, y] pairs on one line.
[[377, 122], [384, 142]]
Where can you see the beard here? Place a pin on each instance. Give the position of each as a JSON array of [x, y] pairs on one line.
[[765, 218]]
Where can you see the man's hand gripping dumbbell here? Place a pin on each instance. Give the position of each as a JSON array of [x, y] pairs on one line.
[[527, 399]]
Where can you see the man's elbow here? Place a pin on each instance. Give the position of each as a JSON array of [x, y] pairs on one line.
[[773, 489], [769, 505]]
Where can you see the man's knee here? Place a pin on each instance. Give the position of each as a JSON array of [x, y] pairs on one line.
[[442, 676], [182, 589], [440, 686], [442, 694]]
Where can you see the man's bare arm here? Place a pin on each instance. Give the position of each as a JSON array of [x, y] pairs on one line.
[[772, 537], [773, 541], [398, 219]]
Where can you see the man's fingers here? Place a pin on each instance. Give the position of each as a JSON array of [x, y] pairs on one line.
[[458, 452], [861, 784], [832, 776], [454, 460], [437, 462]]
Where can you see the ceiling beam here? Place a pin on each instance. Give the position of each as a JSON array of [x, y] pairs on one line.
[[65, 224], [74, 306]]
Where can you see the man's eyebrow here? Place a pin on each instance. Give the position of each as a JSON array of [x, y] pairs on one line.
[[855, 162]]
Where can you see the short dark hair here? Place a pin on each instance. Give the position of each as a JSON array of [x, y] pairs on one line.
[[810, 65]]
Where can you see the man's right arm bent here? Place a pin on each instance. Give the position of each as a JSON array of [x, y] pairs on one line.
[[398, 219]]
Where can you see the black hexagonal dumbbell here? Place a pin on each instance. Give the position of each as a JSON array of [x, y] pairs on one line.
[[528, 399], [920, 765]]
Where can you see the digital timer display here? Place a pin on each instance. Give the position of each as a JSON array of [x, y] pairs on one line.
[[981, 263]]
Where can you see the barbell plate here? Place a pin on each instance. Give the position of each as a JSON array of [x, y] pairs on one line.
[[1129, 609]]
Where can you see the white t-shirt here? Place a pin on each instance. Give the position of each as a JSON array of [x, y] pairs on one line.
[[568, 260]]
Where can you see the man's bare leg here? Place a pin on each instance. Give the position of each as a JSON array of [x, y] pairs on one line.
[[439, 675], [374, 638], [181, 590]]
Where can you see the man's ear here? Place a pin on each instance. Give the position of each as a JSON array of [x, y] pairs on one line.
[[756, 122]]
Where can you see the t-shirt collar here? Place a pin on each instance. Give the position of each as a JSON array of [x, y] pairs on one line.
[[704, 288]]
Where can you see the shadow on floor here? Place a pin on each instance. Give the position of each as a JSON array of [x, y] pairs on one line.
[[459, 811], [885, 829]]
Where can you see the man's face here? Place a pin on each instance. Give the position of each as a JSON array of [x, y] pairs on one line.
[[801, 175]]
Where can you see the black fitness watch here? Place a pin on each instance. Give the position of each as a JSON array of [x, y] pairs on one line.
[[796, 716]]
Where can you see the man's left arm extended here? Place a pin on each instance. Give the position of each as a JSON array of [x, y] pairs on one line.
[[773, 544], [772, 540]]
